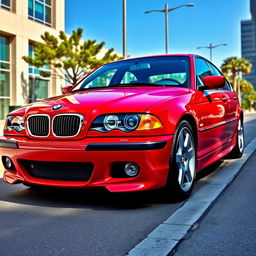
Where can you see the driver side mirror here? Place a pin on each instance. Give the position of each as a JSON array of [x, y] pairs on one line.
[[66, 89], [214, 82]]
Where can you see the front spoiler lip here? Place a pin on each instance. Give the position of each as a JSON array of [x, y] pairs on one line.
[[125, 146], [149, 145]]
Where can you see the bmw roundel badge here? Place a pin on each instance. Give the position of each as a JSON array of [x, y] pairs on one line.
[[56, 107]]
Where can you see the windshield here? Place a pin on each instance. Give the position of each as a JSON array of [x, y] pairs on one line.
[[151, 71]]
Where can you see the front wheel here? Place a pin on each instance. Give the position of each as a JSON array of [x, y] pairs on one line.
[[183, 162]]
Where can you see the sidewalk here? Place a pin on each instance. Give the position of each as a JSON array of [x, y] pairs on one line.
[[229, 228]]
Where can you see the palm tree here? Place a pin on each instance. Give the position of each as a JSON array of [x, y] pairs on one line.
[[232, 66], [245, 86]]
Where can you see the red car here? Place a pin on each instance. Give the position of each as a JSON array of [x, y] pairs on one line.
[[132, 125]]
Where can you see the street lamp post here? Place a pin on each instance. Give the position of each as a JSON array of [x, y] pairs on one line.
[[166, 29], [166, 11], [210, 47], [124, 30]]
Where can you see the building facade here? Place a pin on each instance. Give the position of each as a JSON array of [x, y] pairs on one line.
[[248, 42], [22, 22]]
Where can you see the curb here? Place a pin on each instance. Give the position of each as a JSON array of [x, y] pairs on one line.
[[163, 239]]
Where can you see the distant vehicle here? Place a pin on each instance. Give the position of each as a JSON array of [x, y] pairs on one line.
[[132, 125]]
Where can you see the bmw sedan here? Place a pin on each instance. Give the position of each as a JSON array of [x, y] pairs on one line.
[[132, 125]]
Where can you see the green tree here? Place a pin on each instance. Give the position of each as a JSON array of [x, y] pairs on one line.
[[232, 66], [249, 100], [70, 57]]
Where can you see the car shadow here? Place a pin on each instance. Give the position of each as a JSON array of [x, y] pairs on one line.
[[80, 198], [209, 170], [93, 198], [96, 198]]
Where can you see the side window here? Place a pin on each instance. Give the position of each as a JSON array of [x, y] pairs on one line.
[[216, 72], [202, 70]]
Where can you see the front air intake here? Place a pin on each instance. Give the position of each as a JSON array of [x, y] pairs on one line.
[[61, 171]]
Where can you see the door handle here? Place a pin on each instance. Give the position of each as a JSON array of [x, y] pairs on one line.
[[224, 98], [235, 98]]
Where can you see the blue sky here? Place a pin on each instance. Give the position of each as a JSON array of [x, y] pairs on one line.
[[209, 21]]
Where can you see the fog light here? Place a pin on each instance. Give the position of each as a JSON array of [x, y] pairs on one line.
[[131, 169], [8, 162]]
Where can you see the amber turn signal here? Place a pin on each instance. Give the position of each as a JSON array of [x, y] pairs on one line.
[[148, 122]]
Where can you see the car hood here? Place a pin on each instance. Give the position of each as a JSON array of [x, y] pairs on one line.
[[109, 100]]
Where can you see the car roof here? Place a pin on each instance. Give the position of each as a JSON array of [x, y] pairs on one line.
[[159, 55]]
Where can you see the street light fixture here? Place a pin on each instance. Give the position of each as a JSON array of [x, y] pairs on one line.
[[210, 47], [166, 11]]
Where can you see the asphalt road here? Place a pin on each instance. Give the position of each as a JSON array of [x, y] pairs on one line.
[[229, 229], [74, 222]]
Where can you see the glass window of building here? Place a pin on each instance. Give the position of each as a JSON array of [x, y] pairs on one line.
[[38, 89], [38, 85], [6, 4], [4, 76], [40, 11]]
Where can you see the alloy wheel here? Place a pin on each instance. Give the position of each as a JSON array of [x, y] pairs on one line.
[[240, 136], [185, 159]]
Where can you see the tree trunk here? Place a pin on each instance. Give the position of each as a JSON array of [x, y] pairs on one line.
[[234, 81]]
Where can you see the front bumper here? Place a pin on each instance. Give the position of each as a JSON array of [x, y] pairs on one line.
[[152, 154]]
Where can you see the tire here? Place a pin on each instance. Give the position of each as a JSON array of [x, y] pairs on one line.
[[182, 171], [238, 150]]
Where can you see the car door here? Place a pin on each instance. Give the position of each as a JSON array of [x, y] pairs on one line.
[[230, 101], [210, 109]]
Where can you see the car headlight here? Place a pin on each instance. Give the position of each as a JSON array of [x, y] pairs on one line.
[[125, 122], [131, 122], [111, 122], [15, 123]]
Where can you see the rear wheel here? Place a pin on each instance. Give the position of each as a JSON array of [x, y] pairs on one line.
[[238, 150], [183, 162]]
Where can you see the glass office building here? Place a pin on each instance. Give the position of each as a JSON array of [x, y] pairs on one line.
[[22, 22], [4, 76], [38, 86], [40, 11], [248, 42]]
